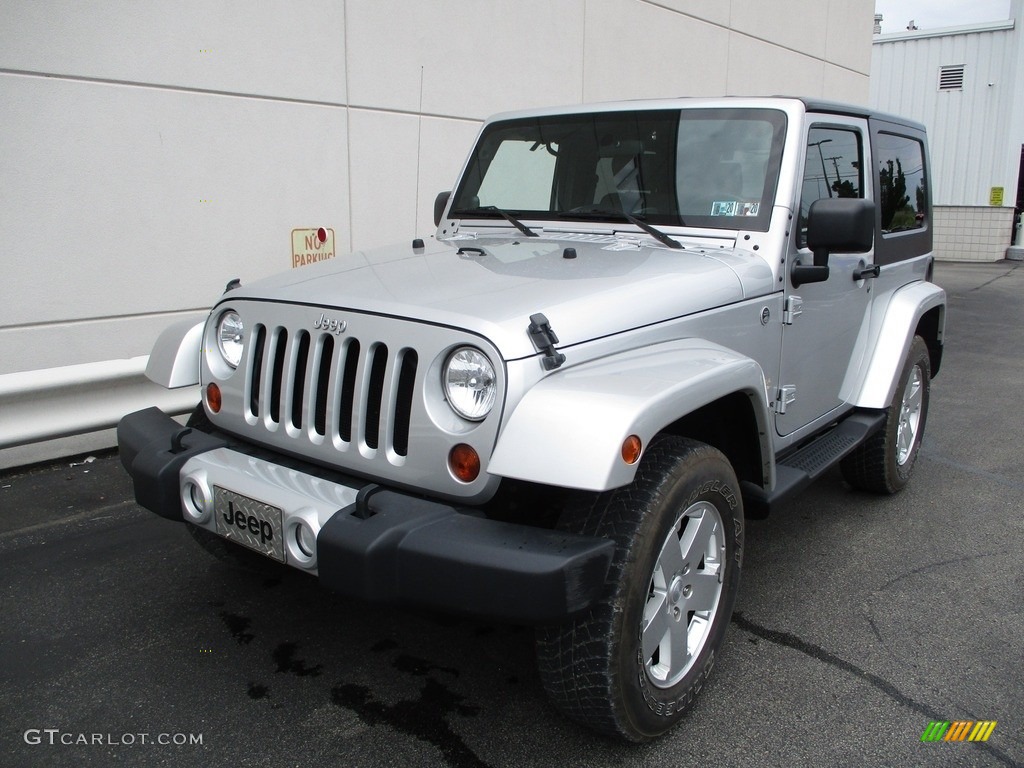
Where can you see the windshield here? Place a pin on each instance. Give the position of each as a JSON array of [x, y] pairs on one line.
[[715, 168]]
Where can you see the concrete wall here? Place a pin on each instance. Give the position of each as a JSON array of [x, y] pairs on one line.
[[153, 151]]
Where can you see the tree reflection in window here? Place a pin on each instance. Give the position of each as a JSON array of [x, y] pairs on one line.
[[901, 168]]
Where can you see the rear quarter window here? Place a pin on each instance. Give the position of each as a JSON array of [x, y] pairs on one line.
[[902, 193]]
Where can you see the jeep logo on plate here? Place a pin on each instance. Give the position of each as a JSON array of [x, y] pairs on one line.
[[337, 327], [251, 523]]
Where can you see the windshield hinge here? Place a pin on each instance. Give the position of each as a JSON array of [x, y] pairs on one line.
[[544, 339], [794, 307]]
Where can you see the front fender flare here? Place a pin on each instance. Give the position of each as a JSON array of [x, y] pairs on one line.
[[569, 428], [175, 359]]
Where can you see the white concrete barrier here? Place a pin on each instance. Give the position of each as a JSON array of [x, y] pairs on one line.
[[77, 399]]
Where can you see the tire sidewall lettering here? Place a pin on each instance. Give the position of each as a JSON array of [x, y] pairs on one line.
[[668, 703]]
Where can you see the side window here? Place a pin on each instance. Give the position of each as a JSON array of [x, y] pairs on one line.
[[833, 167], [903, 193]]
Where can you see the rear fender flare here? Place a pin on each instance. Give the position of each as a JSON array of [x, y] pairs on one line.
[[903, 313]]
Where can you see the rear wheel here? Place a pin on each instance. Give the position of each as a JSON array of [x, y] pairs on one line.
[[633, 663], [883, 464]]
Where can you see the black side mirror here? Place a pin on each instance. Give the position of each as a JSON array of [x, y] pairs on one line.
[[843, 224], [440, 203]]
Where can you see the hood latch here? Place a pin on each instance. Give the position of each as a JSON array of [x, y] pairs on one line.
[[544, 339]]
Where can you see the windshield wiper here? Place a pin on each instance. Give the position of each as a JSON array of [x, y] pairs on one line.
[[504, 214], [589, 213]]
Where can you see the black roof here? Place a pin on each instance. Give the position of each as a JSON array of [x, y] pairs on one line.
[[853, 110]]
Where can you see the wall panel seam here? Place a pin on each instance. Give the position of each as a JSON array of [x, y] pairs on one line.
[[237, 95], [740, 33]]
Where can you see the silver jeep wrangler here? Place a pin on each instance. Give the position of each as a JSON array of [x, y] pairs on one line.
[[637, 323]]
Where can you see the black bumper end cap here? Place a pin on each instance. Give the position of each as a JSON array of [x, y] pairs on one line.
[[153, 448], [426, 553]]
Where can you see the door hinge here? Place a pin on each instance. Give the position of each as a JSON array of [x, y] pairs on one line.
[[794, 307], [787, 394]]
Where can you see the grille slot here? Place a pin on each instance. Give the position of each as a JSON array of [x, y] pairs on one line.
[[403, 401], [344, 390], [299, 378], [322, 382], [259, 341], [374, 395], [279, 348], [348, 390]]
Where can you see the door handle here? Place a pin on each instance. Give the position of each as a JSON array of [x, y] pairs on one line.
[[863, 273]]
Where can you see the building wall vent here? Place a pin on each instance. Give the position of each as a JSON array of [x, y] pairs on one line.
[[951, 78]]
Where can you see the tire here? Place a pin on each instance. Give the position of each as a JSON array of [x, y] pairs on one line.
[[612, 668], [884, 462]]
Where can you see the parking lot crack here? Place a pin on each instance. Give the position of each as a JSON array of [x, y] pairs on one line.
[[818, 653], [992, 476]]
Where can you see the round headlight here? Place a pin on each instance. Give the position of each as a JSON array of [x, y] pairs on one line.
[[229, 338], [469, 383]]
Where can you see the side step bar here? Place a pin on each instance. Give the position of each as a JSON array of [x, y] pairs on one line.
[[800, 469]]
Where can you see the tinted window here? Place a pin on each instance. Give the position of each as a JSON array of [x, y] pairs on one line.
[[701, 167], [833, 167], [519, 177], [903, 194]]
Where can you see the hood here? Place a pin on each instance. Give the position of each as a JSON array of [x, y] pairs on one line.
[[491, 285]]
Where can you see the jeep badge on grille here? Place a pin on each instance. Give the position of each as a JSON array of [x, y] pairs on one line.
[[337, 327]]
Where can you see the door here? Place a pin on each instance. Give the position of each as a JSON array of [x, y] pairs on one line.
[[826, 323]]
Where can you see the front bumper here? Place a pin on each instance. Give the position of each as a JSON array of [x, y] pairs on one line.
[[374, 543]]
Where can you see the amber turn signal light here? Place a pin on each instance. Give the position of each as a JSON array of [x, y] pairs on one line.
[[631, 449], [213, 397], [464, 462]]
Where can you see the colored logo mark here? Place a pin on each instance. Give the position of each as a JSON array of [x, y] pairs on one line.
[[958, 730]]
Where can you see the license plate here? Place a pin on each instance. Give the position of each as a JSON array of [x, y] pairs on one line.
[[251, 523]]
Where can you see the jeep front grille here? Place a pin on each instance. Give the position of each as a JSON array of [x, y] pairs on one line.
[[344, 389], [362, 395]]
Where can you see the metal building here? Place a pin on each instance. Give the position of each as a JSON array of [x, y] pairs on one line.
[[966, 84]]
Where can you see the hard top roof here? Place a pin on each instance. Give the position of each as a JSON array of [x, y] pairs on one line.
[[680, 102]]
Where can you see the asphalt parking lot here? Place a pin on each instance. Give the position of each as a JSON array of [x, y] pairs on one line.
[[860, 620]]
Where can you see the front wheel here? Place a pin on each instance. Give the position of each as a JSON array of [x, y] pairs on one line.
[[633, 663], [883, 463]]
